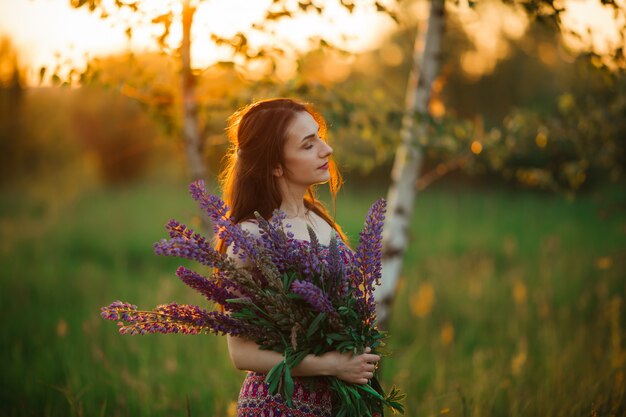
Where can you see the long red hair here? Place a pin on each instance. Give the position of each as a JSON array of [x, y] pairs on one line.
[[257, 134]]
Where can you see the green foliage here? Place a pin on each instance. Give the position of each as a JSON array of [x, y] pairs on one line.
[[518, 116], [547, 123], [552, 349], [115, 131], [35, 136], [11, 98]]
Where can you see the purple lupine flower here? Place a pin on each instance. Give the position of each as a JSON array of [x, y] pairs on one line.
[[266, 310], [209, 288], [227, 281], [368, 257], [171, 318], [313, 295], [274, 238], [314, 262], [335, 268], [185, 243], [314, 242], [118, 310], [243, 243], [307, 261]]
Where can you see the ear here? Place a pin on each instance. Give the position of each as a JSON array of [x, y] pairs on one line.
[[278, 171]]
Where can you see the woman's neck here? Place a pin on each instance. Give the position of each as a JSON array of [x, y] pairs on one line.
[[294, 208], [293, 200]]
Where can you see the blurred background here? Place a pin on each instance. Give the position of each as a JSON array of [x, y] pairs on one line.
[[511, 297]]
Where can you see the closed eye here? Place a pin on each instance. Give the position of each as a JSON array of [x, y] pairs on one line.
[[310, 142]]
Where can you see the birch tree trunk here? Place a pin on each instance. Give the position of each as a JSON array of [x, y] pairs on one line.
[[407, 163], [191, 134]]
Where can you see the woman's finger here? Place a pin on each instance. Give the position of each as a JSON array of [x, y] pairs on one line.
[[370, 357]]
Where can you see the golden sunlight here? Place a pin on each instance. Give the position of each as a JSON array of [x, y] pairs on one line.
[[422, 301], [490, 26], [596, 24], [54, 35], [476, 147]]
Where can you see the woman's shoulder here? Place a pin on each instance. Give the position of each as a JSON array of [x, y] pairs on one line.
[[251, 226]]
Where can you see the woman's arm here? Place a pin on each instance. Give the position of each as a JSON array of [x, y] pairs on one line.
[[247, 355], [357, 369]]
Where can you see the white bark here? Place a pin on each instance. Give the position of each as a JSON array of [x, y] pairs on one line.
[[191, 134], [407, 163]]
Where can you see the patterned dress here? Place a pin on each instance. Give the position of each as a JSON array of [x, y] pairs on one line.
[[311, 396]]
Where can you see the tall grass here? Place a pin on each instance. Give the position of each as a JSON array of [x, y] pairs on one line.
[[510, 304]]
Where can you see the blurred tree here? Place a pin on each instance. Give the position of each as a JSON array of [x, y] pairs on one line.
[[242, 51], [115, 132], [418, 108], [11, 97], [35, 139], [518, 149]]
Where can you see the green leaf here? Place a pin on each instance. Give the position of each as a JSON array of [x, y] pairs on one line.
[[315, 324], [346, 346], [338, 337], [294, 360], [367, 388], [238, 301], [274, 376], [288, 386]]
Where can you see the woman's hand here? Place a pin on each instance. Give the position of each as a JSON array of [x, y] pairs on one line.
[[356, 369]]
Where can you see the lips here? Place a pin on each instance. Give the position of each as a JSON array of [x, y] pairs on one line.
[[325, 166]]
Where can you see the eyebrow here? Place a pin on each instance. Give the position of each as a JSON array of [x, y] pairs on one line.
[[312, 135]]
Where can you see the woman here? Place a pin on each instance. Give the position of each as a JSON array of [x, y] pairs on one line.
[[278, 153]]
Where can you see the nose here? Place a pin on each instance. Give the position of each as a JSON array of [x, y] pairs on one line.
[[326, 150]]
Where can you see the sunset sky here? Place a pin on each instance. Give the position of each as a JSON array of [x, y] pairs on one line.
[[48, 32]]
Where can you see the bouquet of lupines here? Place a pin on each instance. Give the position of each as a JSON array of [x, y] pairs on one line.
[[294, 297]]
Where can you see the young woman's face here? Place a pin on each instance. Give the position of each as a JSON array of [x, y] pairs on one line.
[[305, 153]]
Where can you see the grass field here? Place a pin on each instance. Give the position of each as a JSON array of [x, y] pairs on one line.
[[511, 304]]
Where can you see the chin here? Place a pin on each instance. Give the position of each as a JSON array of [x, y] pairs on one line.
[[324, 178], [323, 181]]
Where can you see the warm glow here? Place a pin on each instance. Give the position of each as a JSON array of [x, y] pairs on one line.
[[541, 139], [447, 334], [423, 300], [51, 33], [604, 26], [518, 361], [391, 54], [489, 26], [519, 292], [604, 262], [476, 147], [437, 108]]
